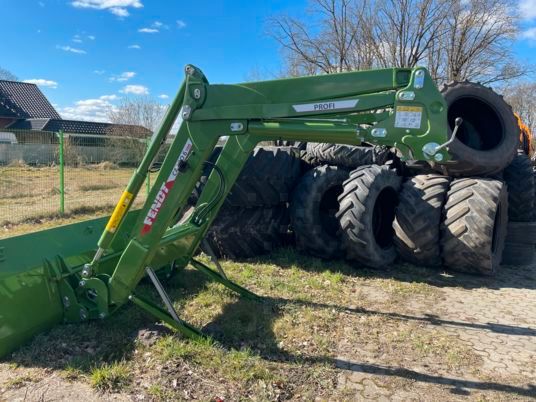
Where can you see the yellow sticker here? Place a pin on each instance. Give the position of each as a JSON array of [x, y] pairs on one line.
[[408, 117], [409, 109], [119, 212]]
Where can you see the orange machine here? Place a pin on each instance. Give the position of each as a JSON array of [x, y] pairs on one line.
[[525, 137]]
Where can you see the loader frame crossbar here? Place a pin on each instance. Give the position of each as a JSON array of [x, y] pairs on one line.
[[399, 108]]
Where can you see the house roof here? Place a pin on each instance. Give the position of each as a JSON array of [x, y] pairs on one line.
[[26, 104], [25, 101], [81, 127], [29, 124]]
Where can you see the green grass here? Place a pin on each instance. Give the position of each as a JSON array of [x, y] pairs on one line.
[[160, 393], [285, 345], [234, 365], [111, 377]]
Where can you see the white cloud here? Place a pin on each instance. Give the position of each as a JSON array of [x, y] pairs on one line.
[[99, 72], [77, 39], [135, 90], [41, 4], [529, 34], [90, 109], [527, 9], [158, 24], [163, 96], [181, 24], [134, 47], [116, 7], [154, 27], [109, 97], [127, 75], [71, 49], [148, 30], [43, 83], [120, 12], [91, 37]]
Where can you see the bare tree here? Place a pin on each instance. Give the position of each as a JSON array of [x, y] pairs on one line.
[[141, 111], [480, 40], [7, 75], [353, 35], [455, 39], [403, 32], [324, 47], [521, 97]]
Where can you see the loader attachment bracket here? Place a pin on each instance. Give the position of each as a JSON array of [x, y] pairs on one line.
[[397, 107]]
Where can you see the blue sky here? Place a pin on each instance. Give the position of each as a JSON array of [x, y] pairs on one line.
[[86, 54]]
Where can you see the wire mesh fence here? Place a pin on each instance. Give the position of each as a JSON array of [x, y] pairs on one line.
[[45, 173]]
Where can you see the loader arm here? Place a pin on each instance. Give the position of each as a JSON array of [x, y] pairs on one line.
[[399, 108], [320, 108]]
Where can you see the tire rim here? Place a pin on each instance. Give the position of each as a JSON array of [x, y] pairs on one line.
[[383, 217], [482, 128], [329, 205]]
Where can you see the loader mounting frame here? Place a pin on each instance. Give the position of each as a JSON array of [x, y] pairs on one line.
[[397, 107]]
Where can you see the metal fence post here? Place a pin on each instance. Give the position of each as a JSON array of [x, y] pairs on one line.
[[148, 180], [62, 173]]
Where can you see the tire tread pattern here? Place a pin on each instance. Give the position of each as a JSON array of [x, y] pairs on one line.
[[469, 225], [356, 206], [348, 156], [418, 218], [247, 232], [305, 211], [520, 180]]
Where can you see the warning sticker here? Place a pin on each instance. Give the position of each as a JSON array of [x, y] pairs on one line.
[[408, 117]]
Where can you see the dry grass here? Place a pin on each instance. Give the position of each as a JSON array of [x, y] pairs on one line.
[[289, 346], [17, 164], [285, 347], [34, 193]]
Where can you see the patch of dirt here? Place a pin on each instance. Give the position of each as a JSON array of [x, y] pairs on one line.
[[47, 385]]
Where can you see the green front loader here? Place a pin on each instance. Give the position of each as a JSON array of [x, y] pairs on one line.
[[88, 270]]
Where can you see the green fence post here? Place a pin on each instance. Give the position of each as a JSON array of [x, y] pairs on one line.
[[62, 174], [148, 181]]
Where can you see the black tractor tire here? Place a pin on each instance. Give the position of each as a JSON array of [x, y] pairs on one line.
[[308, 161], [521, 232], [519, 178], [518, 254], [347, 156], [267, 179], [312, 211], [475, 221], [488, 138], [534, 178], [418, 218], [296, 144], [366, 215], [247, 232]]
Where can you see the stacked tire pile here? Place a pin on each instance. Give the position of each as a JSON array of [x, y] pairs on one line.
[[254, 218], [365, 205], [521, 234], [469, 219], [469, 215]]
